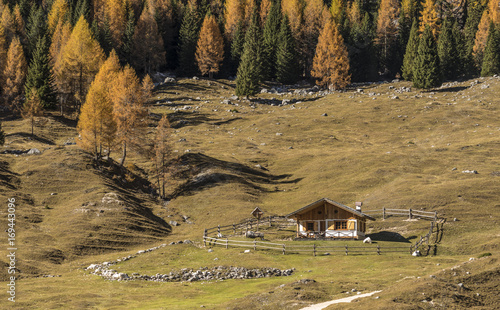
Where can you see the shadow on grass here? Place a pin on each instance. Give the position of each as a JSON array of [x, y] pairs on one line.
[[34, 137], [8, 179], [389, 236], [203, 172], [65, 121], [454, 89]]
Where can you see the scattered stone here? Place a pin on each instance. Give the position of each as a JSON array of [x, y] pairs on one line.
[[416, 253], [470, 171], [173, 223], [324, 114], [169, 80], [34, 151], [210, 250], [367, 240], [279, 134], [53, 194], [246, 251], [454, 169], [195, 78]]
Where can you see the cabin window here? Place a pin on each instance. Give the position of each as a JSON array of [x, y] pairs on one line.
[[310, 226], [341, 225]]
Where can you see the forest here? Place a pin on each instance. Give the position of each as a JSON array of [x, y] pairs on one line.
[[94, 60]]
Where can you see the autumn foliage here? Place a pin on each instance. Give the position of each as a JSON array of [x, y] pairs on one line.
[[210, 47], [331, 62]]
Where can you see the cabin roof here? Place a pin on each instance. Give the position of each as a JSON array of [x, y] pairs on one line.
[[338, 204]]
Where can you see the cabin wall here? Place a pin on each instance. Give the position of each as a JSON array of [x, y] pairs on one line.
[[327, 211]]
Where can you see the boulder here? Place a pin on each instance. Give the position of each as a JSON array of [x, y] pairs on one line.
[[416, 253], [367, 240], [34, 151]]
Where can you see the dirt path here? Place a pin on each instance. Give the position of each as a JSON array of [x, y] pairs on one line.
[[337, 301]]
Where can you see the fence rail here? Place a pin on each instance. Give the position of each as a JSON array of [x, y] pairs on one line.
[[313, 249], [412, 214], [243, 227]]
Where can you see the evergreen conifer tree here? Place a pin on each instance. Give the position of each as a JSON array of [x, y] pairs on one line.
[[40, 78], [188, 37], [250, 69], [411, 52], [491, 59], [362, 58], [81, 8], [128, 35], [271, 37], [237, 45], [426, 69], [286, 61], [449, 56], [36, 28]]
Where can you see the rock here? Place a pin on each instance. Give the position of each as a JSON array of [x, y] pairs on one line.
[[173, 223], [416, 253], [226, 101], [210, 250], [470, 171], [279, 134], [454, 169], [34, 151], [263, 91], [169, 80], [111, 198], [324, 114], [359, 90], [53, 194], [195, 78], [246, 251], [120, 276], [367, 240]]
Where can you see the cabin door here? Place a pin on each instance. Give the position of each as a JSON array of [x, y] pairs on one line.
[[322, 226]]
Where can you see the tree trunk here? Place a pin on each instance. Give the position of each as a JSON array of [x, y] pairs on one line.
[[124, 153]]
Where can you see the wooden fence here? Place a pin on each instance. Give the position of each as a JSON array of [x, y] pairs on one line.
[[301, 248], [410, 213], [243, 227]]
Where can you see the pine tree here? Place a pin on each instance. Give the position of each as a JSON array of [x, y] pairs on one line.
[[426, 70], [411, 52], [337, 10], [430, 17], [265, 9], [490, 15], [188, 38], [449, 55], [82, 58], [96, 124], [387, 35], [250, 70], [294, 9], [128, 38], [36, 28], [128, 111], [237, 45], [40, 78], [362, 55], [491, 60], [210, 47], [286, 61], [15, 75], [81, 9], [271, 38], [331, 62], [2, 135], [147, 50]]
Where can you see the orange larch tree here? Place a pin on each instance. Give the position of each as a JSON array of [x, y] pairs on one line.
[[148, 53], [58, 11], [234, 12], [115, 15], [82, 58], [387, 32], [490, 15], [315, 16], [430, 16], [331, 61], [210, 47], [265, 7], [128, 108], [294, 9], [14, 75], [96, 125]]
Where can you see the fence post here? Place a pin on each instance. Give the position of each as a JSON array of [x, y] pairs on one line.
[[411, 248], [254, 245], [314, 249], [204, 238], [383, 213], [378, 249], [269, 221], [409, 214], [435, 216], [218, 230], [283, 249], [227, 241], [346, 250], [234, 229]]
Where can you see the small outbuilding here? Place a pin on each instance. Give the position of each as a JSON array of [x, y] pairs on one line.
[[326, 218]]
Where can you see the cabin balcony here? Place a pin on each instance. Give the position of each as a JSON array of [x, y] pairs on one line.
[[331, 234]]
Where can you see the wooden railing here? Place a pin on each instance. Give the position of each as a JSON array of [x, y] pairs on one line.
[[410, 213], [301, 248], [247, 225]]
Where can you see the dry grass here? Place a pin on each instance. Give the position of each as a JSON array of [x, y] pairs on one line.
[[393, 153]]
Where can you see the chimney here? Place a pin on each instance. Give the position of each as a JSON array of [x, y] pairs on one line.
[[358, 205]]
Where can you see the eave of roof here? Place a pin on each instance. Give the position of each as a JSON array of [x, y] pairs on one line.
[[338, 204]]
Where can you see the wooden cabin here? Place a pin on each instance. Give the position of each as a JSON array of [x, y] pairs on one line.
[[326, 218]]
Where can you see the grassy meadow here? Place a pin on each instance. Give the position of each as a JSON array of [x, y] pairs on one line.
[[376, 143]]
